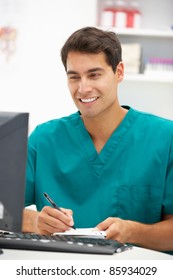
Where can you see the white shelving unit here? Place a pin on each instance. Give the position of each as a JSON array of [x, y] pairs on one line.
[[149, 38], [153, 91], [145, 32], [155, 36], [154, 42], [151, 78]]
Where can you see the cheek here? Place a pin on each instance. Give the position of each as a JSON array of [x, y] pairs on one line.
[[72, 88], [108, 87], [73, 92], [109, 81]]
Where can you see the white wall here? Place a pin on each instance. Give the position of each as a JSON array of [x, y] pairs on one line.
[[154, 97], [34, 79]]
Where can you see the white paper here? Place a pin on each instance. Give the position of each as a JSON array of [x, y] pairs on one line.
[[85, 232], [1, 211]]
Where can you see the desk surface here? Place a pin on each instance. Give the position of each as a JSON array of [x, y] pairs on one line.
[[134, 254]]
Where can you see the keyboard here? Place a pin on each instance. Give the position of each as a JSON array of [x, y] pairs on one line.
[[61, 243]]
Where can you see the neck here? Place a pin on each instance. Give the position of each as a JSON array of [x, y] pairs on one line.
[[100, 128]]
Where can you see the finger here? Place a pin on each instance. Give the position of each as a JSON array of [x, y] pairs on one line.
[[60, 215], [68, 212], [45, 226], [115, 230], [105, 224], [112, 232], [52, 220]]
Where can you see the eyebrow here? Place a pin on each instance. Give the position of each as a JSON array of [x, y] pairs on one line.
[[89, 71]]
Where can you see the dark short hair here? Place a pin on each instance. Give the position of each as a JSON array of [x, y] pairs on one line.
[[93, 40]]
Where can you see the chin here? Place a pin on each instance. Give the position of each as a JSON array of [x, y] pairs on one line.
[[89, 115]]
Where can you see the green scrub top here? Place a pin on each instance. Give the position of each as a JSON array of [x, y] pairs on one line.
[[131, 178]]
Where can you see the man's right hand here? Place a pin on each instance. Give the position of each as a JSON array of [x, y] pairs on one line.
[[49, 220]]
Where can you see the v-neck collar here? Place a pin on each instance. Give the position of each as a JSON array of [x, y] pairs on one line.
[[98, 160]]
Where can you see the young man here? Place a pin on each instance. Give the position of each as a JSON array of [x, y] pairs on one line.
[[109, 166]]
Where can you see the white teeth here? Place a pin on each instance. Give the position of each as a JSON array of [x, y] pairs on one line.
[[87, 100]]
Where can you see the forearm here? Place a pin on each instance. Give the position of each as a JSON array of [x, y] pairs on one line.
[[30, 221], [158, 236]]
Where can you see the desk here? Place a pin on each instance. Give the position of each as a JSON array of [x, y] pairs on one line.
[[134, 254]]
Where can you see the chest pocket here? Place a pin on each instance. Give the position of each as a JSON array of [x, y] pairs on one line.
[[140, 204]]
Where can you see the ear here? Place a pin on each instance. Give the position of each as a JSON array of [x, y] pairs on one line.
[[120, 71]]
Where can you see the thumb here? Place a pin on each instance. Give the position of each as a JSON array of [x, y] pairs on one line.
[[105, 224]]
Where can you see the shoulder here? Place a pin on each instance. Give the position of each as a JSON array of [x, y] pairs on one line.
[[55, 125], [150, 128], [155, 122]]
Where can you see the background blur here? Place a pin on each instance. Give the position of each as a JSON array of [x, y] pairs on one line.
[[32, 77]]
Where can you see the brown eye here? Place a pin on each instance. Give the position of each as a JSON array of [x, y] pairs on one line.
[[74, 78], [94, 75]]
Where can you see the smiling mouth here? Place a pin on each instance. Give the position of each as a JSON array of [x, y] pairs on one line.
[[88, 100]]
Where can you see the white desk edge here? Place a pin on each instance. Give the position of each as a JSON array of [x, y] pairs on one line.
[[134, 254]]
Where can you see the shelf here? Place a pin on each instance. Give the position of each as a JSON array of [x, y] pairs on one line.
[[168, 33], [153, 77]]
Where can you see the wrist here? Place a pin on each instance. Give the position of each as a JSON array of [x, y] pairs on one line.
[[138, 232], [30, 221]]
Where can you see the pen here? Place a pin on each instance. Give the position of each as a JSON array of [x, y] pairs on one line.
[[54, 204], [123, 248]]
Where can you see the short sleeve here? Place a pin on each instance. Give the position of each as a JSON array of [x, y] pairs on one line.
[[168, 195], [30, 169]]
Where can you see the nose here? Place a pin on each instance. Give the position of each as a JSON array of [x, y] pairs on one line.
[[84, 86]]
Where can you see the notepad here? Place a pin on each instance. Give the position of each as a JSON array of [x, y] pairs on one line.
[[83, 232]]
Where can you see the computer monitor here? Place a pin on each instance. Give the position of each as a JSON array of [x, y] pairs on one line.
[[13, 153]]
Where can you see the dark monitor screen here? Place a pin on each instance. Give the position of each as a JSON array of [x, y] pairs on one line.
[[13, 152]]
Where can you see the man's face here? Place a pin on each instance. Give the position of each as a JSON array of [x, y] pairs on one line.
[[92, 83]]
